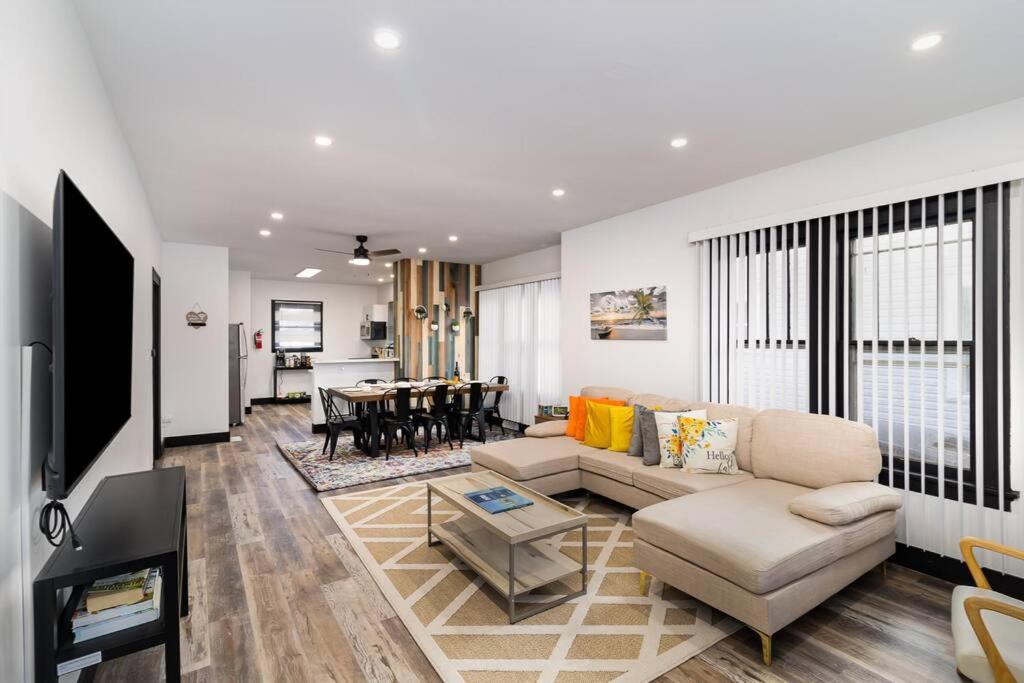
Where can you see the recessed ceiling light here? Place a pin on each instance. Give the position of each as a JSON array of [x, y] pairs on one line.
[[387, 39], [380, 279], [422, 250], [558, 192], [264, 233], [453, 238], [323, 141], [926, 42], [307, 272], [388, 264], [277, 215], [678, 142], [392, 276]]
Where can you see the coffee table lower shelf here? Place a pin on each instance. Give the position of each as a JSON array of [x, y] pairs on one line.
[[512, 569]]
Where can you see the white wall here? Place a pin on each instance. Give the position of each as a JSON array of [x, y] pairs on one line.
[[194, 360], [539, 262], [240, 306], [649, 247], [343, 308], [54, 113]]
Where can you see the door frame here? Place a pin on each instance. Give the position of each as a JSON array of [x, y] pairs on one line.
[[158, 441]]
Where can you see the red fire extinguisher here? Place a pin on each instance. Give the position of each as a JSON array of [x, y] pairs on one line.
[[258, 339]]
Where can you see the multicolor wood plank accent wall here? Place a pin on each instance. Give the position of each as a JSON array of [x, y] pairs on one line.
[[447, 292]]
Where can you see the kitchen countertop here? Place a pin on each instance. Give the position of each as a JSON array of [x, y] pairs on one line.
[[357, 360]]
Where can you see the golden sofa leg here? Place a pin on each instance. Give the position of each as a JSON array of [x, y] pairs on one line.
[[883, 571], [645, 581], [766, 648]]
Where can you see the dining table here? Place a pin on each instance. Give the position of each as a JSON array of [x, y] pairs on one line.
[[370, 397]]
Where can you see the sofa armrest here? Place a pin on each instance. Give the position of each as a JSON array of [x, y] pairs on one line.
[[845, 503], [545, 429]]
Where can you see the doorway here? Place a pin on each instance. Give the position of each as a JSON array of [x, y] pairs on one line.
[[158, 441]]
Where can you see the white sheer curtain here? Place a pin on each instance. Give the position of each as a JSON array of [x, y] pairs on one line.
[[519, 339]]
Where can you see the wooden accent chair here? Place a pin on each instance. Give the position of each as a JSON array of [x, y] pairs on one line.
[[989, 649]]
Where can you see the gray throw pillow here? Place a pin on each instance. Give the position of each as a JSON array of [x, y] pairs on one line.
[[649, 434], [636, 441]]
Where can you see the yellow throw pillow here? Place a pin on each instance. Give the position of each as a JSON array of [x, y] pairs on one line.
[[621, 419], [597, 432]]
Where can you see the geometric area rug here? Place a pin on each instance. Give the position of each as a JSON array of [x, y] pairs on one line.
[[613, 633], [352, 467]]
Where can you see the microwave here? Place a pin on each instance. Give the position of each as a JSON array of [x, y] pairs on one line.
[[370, 330]]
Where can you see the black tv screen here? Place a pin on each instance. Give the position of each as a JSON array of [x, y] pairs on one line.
[[93, 292]]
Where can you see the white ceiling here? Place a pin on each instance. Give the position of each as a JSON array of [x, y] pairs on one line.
[[489, 105]]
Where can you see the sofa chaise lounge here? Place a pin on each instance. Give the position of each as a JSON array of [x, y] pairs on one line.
[[800, 521]]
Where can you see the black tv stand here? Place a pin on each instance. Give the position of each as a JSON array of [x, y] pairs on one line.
[[131, 522]]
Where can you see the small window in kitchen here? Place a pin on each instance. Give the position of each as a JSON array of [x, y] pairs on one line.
[[297, 326]]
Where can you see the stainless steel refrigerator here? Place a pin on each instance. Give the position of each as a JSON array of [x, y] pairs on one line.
[[238, 359]]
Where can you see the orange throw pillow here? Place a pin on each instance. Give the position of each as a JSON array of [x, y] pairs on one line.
[[579, 418]]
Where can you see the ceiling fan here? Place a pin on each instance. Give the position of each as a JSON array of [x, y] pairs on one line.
[[363, 256]]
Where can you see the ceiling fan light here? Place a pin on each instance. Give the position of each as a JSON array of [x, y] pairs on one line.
[[359, 261]]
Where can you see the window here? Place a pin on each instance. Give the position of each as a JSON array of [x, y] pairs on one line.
[[897, 316], [519, 338], [912, 381], [297, 326]]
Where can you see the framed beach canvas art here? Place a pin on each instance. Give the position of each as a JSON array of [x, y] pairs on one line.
[[629, 314]]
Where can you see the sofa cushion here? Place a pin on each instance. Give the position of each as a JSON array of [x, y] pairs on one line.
[[845, 503], [1005, 631], [658, 401], [745, 427], [813, 450], [616, 393], [621, 420], [745, 533], [672, 483], [523, 459], [543, 430], [617, 466]]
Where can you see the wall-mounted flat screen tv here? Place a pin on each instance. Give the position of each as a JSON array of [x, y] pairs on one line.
[[93, 293]]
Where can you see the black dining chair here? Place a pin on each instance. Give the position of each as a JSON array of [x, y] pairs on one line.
[[467, 415], [399, 418], [338, 421], [492, 403], [436, 417], [418, 406]]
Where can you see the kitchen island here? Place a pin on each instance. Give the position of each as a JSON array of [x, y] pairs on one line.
[[345, 373]]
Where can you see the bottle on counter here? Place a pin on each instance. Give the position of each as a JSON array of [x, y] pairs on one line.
[[456, 376]]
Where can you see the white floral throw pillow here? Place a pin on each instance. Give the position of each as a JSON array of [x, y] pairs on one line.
[[708, 446], [669, 443]]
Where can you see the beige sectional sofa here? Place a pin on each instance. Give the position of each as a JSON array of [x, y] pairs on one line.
[[798, 523]]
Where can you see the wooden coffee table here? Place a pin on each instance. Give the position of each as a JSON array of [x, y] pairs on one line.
[[509, 550]]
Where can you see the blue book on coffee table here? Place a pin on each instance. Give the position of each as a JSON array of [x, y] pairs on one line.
[[498, 499]]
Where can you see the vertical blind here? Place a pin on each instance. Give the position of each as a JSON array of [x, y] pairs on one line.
[[897, 316], [519, 332]]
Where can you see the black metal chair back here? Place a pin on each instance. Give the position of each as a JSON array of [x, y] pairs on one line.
[[493, 398], [400, 400], [364, 382], [331, 410], [477, 391], [439, 400]]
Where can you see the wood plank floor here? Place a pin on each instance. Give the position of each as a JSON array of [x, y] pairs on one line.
[[277, 594]]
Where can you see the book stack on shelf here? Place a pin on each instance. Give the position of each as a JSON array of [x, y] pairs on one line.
[[116, 603]]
